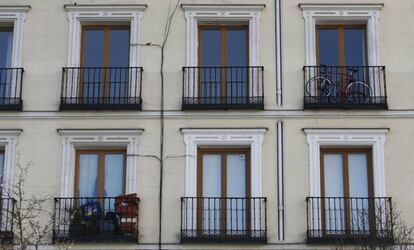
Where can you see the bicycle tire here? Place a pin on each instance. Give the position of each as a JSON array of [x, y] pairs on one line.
[[358, 92], [317, 85]]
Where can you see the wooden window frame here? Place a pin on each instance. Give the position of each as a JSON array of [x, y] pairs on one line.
[[341, 44], [341, 50], [223, 152], [106, 28], [101, 168], [223, 28], [345, 175]]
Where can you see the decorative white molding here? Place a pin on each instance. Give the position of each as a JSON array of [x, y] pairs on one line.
[[194, 138], [15, 15], [72, 139], [374, 138], [196, 13], [324, 13], [8, 141], [78, 14]]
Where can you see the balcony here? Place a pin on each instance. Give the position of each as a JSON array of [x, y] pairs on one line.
[[349, 220], [217, 220], [6, 218], [96, 219], [223, 88], [97, 88], [342, 87], [11, 89]]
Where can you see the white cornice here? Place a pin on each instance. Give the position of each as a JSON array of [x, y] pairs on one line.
[[223, 131], [10, 132], [223, 7], [100, 132], [354, 132], [15, 8], [105, 7], [343, 7]]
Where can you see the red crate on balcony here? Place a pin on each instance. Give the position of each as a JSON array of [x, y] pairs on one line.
[[126, 206]]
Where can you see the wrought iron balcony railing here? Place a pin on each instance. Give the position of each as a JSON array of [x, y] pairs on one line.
[[11, 88], [7, 216], [98, 88], [353, 87], [223, 88], [349, 220], [208, 219], [96, 219]]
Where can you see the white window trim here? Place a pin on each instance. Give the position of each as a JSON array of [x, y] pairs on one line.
[[366, 13], [374, 138], [195, 13], [194, 138], [15, 15], [8, 141], [72, 139], [78, 14]]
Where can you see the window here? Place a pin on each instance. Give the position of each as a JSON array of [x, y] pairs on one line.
[[105, 61], [100, 173], [347, 199], [223, 184], [103, 71], [222, 68], [341, 45], [223, 51], [346, 188]]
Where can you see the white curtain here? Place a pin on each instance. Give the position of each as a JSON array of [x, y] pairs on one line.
[[88, 175]]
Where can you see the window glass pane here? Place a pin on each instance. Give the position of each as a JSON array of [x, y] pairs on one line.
[[6, 43], [328, 47], [93, 47], [334, 186], [358, 175], [118, 57], [358, 187], [93, 53], [211, 188], [212, 175], [236, 187], [88, 175], [354, 45], [236, 55], [236, 175], [114, 175], [334, 208], [210, 56], [236, 47]]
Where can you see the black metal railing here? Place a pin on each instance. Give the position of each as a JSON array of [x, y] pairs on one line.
[[345, 87], [96, 219], [7, 206], [223, 88], [208, 219], [97, 88], [349, 220], [11, 80]]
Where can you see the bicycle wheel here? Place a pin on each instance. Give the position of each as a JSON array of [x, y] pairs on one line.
[[318, 86], [358, 93]]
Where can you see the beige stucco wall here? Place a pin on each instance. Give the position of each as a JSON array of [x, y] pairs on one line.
[[45, 53]]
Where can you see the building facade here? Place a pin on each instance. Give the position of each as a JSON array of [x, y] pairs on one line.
[[281, 124]]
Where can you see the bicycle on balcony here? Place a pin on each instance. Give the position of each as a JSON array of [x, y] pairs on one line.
[[333, 86]]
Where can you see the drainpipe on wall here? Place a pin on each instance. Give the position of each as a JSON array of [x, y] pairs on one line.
[[280, 182], [278, 51]]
